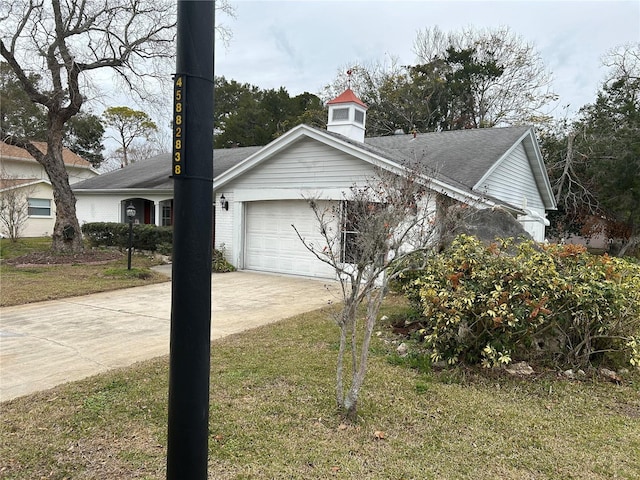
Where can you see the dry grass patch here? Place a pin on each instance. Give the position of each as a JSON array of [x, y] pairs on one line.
[[273, 416]]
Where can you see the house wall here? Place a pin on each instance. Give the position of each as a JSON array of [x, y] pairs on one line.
[[105, 207], [513, 181], [306, 165], [32, 169], [224, 225], [40, 226], [306, 169]]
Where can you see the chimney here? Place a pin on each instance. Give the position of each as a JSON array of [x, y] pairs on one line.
[[347, 116]]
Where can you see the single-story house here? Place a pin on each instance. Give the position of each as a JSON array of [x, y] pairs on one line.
[[260, 192], [25, 180]]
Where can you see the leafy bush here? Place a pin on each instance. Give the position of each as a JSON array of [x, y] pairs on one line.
[[220, 263], [502, 302], [145, 237]]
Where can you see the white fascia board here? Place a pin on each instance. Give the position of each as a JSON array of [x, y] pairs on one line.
[[542, 172]]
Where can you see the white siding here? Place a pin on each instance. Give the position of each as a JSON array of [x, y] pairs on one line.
[[306, 165], [224, 226], [513, 180], [32, 169]]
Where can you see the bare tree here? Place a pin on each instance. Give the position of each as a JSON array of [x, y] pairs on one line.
[[518, 95], [65, 41], [14, 205], [380, 229]]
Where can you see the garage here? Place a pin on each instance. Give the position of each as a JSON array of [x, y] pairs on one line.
[[271, 244]]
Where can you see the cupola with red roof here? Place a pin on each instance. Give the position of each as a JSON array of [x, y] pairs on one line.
[[347, 115]]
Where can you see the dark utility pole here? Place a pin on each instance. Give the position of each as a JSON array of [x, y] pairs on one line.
[[192, 171]]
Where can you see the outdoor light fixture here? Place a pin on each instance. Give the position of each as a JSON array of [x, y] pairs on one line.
[[223, 203], [131, 213]]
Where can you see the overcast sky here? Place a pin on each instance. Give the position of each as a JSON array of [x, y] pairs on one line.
[[301, 45]]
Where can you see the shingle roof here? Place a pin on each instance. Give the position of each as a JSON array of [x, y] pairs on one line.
[[154, 172], [462, 155], [70, 158], [459, 157]]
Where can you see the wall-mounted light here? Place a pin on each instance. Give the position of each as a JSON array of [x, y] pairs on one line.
[[224, 204]]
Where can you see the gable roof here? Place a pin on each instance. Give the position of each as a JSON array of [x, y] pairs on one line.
[[16, 153], [460, 159]]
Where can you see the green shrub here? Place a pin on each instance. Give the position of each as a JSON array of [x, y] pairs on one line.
[[503, 302], [109, 234], [220, 263]]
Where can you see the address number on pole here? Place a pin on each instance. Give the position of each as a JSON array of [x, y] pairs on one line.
[[179, 85]]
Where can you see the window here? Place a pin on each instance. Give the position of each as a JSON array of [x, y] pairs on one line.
[[359, 116], [167, 217], [356, 217], [340, 114], [39, 207]]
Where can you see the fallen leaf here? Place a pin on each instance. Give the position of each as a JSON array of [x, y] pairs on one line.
[[379, 435]]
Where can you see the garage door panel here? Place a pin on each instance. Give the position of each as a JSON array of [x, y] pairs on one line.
[[271, 243]]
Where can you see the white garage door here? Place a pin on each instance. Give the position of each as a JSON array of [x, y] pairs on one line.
[[271, 244]]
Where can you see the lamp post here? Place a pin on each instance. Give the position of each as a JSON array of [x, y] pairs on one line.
[[131, 213]]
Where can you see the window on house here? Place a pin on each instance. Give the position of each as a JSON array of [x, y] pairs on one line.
[[353, 215], [359, 116], [166, 214], [39, 207], [340, 114]]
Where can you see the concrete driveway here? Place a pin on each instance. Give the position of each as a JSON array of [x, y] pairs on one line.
[[48, 343]]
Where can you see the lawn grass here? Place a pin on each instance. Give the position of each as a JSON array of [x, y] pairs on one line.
[[273, 416], [35, 283], [22, 246]]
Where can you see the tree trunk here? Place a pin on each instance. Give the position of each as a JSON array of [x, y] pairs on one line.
[[360, 370], [67, 236], [629, 245]]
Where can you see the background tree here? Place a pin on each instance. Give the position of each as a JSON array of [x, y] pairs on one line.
[[245, 115], [468, 79], [14, 206], [368, 241], [594, 162], [503, 77], [129, 125], [63, 42], [20, 117]]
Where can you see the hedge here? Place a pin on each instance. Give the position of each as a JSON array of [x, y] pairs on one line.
[[145, 237]]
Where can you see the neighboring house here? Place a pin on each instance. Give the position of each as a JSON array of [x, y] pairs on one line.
[[260, 191], [20, 171]]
